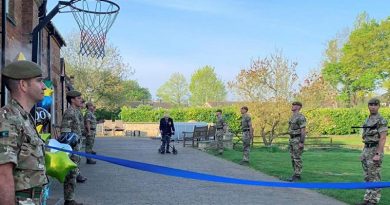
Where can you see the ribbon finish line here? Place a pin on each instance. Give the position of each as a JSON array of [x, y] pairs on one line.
[[220, 179]]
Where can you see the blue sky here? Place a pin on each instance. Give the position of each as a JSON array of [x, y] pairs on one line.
[[160, 37]]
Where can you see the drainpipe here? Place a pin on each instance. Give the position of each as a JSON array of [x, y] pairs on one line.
[[3, 36]]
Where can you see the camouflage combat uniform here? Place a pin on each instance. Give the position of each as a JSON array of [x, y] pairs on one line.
[[220, 132], [372, 168], [82, 128], [90, 140], [296, 123], [21, 145], [71, 123], [246, 136]]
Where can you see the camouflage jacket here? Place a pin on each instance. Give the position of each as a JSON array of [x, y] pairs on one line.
[[245, 120], [21, 145], [71, 121], [220, 123], [376, 124], [296, 123], [89, 116], [81, 119]]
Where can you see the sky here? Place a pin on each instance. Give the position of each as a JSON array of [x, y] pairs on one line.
[[160, 37]]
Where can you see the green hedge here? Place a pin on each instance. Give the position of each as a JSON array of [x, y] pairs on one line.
[[339, 121], [145, 113], [320, 121]]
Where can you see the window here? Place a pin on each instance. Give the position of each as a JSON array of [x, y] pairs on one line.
[[10, 9]]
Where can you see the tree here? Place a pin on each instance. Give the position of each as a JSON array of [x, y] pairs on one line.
[[317, 93], [134, 92], [364, 63], [99, 80], [269, 86], [206, 87], [175, 90]]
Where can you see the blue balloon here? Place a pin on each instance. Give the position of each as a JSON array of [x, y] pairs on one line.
[[46, 102]]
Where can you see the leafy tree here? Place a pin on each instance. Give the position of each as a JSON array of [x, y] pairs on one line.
[[315, 92], [206, 87], [268, 85], [100, 80], [134, 92], [364, 64], [175, 90]]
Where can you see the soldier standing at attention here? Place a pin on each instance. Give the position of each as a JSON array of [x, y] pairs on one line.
[[374, 138], [247, 134], [22, 161], [71, 123], [90, 128], [297, 131], [220, 126]]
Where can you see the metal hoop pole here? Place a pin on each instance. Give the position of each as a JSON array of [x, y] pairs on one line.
[[41, 25]]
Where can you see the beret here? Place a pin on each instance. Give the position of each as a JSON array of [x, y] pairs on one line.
[[22, 70]]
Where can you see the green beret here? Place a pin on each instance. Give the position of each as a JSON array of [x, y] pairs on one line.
[[219, 110], [22, 70], [73, 94], [374, 101], [297, 103]]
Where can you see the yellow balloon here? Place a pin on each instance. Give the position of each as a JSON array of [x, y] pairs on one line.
[[48, 92], [39, 128], [58, 165]]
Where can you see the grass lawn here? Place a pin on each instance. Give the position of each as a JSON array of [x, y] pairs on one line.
[[334, 165]]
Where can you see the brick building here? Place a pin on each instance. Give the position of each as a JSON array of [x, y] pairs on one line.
[[18, 21]]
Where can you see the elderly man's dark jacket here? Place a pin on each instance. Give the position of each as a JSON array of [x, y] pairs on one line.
[[167, 126]]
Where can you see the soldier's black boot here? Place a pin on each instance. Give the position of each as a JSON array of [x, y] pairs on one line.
[[294, 178], [72, 202], [91, 161], [167, 151], [81, 179]]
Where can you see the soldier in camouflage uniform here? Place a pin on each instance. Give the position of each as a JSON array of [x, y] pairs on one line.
[[297, 131], [374, 138], [71, 123], [82, 125], [220, 126], [90, 128], [247, 134], [22, 161]]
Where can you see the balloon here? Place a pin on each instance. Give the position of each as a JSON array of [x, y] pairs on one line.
[[45, 136], [58, 165], [42, 116], [48, 92], [46, 102], [39, 128], [55, 143]]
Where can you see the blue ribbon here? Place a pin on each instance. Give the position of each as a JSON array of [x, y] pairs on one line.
[[213, 178]]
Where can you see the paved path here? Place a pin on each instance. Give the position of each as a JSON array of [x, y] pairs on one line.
[[112, 184]]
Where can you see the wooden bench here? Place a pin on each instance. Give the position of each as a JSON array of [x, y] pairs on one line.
[[118, 127], [199, 133]]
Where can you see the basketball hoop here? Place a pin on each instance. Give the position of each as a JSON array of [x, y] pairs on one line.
[[95, 18]]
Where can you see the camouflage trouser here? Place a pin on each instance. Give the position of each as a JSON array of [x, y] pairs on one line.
[[372, 173], [246, 143], [219, 138], [70, 179], [27, 201], [90, 141], [296, 155]]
